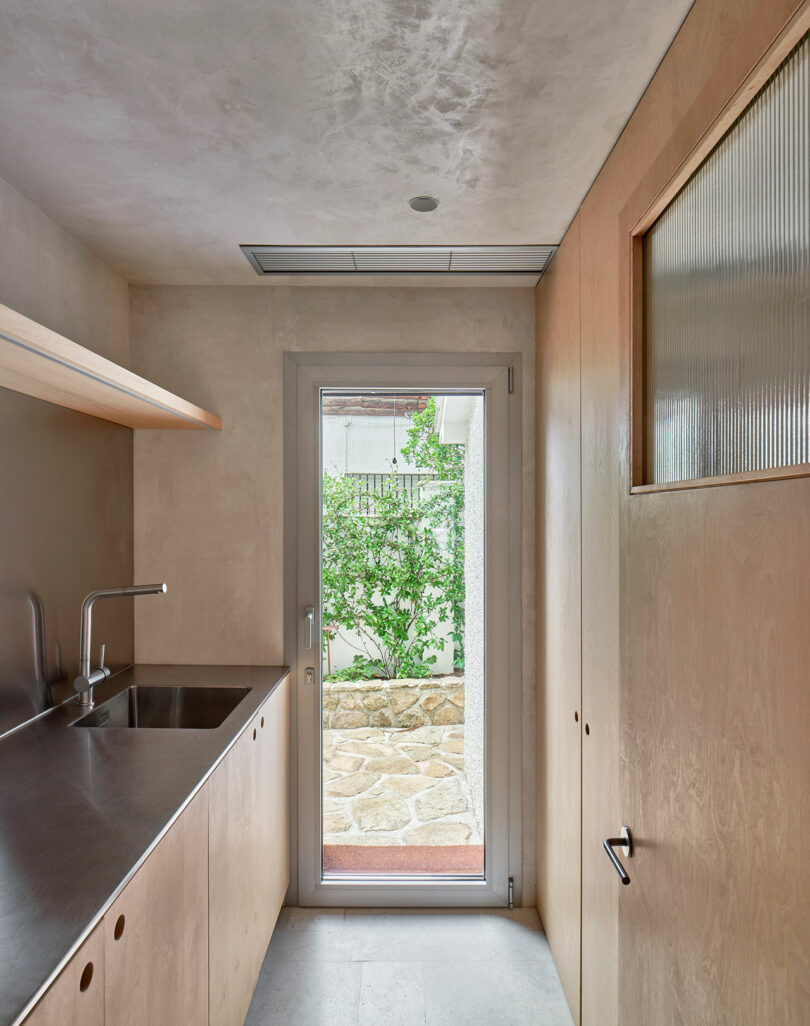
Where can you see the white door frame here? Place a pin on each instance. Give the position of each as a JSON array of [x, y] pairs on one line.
[[498, 375]]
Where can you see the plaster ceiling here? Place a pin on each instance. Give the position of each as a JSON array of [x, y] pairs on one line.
[[163, 133]]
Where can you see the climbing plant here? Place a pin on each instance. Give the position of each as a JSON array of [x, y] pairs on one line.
[[393, 564], [446, 460]]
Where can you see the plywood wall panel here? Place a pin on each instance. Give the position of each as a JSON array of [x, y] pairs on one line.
[[602, 441], [693, 644], [711, 707], [559, 724]]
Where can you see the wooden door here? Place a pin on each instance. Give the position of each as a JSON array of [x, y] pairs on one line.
[[237, 899], [715, 927], [714, 702], [156, 932], [76, 997]]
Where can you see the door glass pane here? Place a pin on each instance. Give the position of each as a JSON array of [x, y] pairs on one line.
[[403, 647], [727, 300]]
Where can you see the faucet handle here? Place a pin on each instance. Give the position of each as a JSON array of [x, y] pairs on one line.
[[102, 668]]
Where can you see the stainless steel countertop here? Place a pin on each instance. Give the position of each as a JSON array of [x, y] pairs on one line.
[[80, 810]]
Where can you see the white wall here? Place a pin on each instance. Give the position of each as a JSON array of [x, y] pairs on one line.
[[475, 625], [347, 644], [365, 445]]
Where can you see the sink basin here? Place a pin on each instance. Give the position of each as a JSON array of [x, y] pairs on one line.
[[178, 708]]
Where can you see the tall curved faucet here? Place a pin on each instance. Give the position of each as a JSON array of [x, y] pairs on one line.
[[88, 678]]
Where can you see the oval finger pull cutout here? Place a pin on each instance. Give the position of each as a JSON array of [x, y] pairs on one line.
[[119, 927], [254, 733], [87, 977]]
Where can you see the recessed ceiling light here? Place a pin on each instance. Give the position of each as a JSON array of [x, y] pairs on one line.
[[423, 204]]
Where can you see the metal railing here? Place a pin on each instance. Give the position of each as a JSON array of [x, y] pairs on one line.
[[408, 484]]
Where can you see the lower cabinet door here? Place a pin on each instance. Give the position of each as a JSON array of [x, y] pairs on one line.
[[275, 786], [249, 862], [76, 997], [156, 932], [238, 931]]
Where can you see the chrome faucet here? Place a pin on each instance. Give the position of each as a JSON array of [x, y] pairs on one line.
[[88, 678]]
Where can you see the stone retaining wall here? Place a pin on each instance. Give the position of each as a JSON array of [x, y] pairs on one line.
[[393, 703]]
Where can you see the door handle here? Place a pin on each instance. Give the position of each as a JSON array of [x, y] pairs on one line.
[[626, 843], [309, 620]]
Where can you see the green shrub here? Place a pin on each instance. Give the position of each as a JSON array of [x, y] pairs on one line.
[[386, 576]]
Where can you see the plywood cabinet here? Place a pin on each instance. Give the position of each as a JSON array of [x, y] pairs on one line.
[[234, 956], [76, 997], [248, 838], [275, 761], [156, 932], [191, 928]]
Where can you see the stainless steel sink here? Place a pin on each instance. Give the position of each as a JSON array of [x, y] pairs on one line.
[[184, 708]]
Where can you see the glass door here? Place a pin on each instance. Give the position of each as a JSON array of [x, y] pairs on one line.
[[406, 490], [402, 612]]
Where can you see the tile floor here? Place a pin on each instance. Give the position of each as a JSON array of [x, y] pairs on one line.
[[369, 967]]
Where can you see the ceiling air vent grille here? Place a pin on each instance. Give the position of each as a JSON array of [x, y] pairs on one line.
[[399, 259], [402, 258], [292, 259], [500, 258]]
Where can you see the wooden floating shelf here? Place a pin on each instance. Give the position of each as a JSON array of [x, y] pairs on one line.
[[38, 362]]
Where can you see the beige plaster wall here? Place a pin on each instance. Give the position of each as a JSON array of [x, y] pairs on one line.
[[48, 276], [66, 493], [208, 507]]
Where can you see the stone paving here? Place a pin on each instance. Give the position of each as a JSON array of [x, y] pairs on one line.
[[397, 786]]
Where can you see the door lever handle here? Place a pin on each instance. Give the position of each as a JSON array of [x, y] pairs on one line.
[[309, 617], [626, 843]]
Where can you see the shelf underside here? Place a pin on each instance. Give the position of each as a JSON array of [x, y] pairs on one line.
[[38, 362]]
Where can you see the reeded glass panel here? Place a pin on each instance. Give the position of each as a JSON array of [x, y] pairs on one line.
[[727, 298]]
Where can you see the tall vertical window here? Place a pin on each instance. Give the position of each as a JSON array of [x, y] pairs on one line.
[[726, 300]]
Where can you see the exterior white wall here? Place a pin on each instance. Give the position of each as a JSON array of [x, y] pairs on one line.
[[474, 608], [365, 445], [460, 420], [348, 644]]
